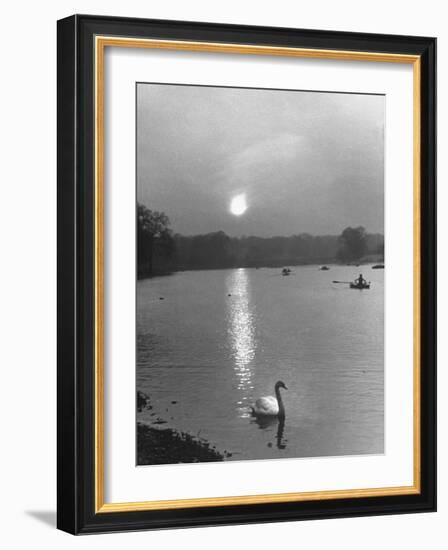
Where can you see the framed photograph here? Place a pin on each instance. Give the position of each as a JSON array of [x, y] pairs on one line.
[[246, 274]]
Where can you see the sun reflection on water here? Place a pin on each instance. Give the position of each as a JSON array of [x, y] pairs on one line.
[[242, 335]]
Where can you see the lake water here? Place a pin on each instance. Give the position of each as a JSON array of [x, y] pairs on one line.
[[204, 357]]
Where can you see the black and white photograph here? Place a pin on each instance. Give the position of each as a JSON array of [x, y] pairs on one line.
[[260, 267]]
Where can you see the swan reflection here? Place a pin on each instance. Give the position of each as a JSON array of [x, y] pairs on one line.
[[267, 422], [242, 334], [281, 443]]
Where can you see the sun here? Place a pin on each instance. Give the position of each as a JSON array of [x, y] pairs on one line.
[[238, 205]]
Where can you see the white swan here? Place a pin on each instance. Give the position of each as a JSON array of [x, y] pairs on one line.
[[271, 406]]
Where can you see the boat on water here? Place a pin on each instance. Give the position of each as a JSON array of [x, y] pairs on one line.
[[378, 266], [360, 283], [286, 271], [364, 286], [324, 268]]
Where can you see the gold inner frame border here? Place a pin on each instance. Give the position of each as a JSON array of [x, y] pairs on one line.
[[100, 44]]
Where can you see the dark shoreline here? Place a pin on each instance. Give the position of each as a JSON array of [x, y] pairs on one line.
[[168, 446]]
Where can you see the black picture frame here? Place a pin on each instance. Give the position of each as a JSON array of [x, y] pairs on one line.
[[76, 286]]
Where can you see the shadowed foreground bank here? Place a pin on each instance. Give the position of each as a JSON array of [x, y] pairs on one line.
[[168, 446]]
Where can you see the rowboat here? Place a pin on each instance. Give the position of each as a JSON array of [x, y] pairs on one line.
[[360, 286]]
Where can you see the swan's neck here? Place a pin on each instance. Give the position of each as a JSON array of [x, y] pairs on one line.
[[281, 406]]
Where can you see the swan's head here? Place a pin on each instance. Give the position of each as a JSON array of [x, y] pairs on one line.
[[280, 384]]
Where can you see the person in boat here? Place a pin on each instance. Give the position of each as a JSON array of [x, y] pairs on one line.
[[360, 281]]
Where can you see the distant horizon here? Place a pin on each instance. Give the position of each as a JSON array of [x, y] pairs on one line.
[[249, 236], [175, 233]]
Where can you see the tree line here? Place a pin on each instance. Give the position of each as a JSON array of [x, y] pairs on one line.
[[160, 251]]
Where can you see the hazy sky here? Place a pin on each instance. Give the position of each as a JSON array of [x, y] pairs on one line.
[[306, 161]]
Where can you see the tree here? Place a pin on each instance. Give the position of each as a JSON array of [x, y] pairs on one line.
[[352, 244], [154, 238]]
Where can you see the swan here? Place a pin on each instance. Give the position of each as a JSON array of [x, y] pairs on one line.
[[271, 406]]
